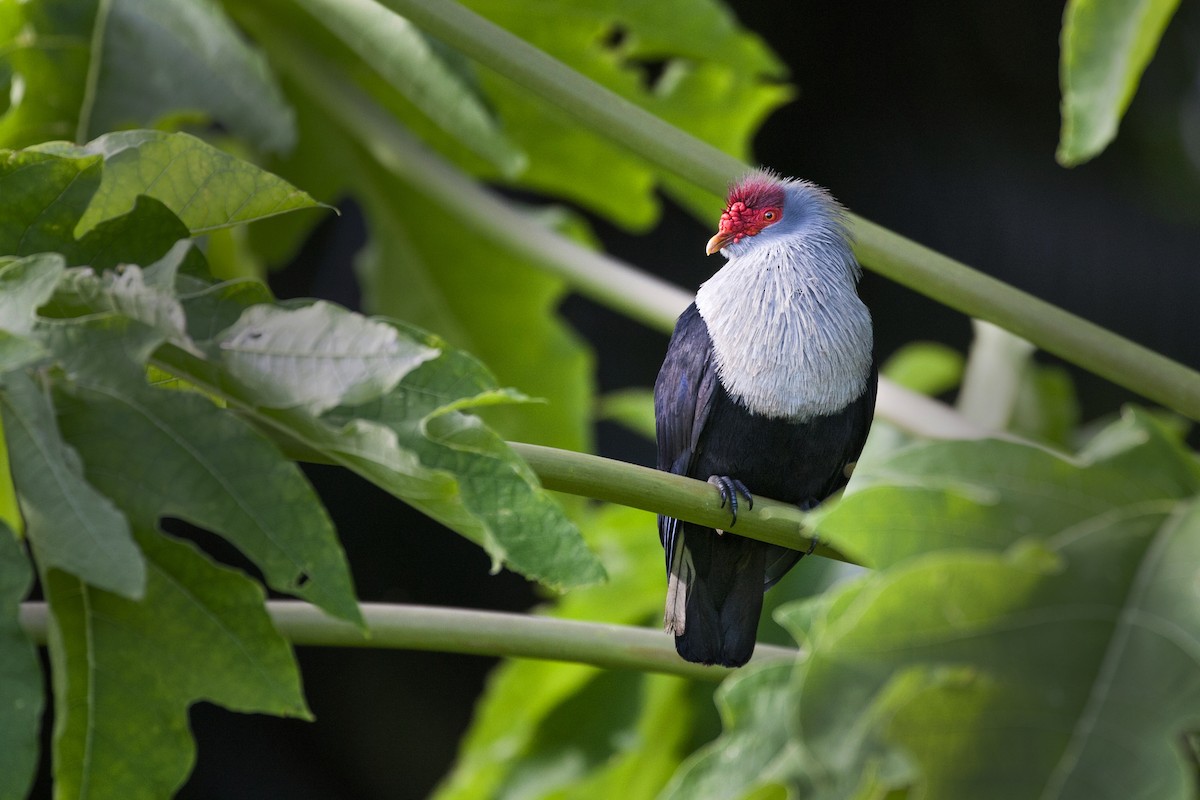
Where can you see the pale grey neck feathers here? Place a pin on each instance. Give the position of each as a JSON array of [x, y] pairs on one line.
[[791, 339]]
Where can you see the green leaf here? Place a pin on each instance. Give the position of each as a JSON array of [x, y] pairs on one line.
[[417, 68], [431, 270], [70, 525], [42, 196], [142, 236], [212, 309], [10, 509], [316, 357], [126, 672], [21, 698], [418, 443], [222, 475], [549, 729], [1106, 45], [18, 351], [614, 43], [45, 63], [130, 292], [164, 57], [1047, 408], [997, 492], [1088, 651], [25, 284], [719, 83], [1073, 654], [522, 744], [926, 367], [205, 187], [753, 704], [633, 408]]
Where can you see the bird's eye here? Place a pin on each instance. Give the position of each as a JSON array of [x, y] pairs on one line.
[[768, 216]]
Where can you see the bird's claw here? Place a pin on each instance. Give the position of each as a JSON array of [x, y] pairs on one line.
[[730, 488]]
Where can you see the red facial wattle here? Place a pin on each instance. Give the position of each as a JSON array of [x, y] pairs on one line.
[[739, 221]]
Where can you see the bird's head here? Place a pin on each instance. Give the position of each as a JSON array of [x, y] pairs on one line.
[[763, 208]]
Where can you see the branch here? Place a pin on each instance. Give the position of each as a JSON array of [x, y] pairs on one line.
[[934, 275], [674, 495], [482, 633]]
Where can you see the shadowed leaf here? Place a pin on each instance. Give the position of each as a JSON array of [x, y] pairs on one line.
[[71, 526], [125, 672], [21, 697]]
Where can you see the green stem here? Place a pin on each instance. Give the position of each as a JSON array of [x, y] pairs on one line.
[[483, 633], [902, 260], [674, 495]]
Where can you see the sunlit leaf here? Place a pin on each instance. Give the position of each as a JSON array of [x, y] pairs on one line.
[[316, 357], [1106, 45], [43, 195], [925, 367], [205, 187]]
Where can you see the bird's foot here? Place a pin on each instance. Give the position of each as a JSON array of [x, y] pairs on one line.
[[812, 545], [730, 488]]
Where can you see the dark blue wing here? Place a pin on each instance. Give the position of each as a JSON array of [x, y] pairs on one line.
[[683, 397]]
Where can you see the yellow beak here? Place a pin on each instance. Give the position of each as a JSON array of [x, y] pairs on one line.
[[716, 243]]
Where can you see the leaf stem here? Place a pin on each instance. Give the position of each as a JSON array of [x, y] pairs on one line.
[[936, 276], [483, 633]]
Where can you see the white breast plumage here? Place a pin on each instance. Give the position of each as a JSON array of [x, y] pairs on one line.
[[790, 336]]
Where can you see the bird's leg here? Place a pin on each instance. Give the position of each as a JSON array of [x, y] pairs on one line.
[[730, 488]]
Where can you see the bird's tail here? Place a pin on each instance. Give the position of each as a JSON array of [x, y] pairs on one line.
[[714, 594]]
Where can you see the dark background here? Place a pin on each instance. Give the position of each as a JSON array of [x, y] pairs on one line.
[[937, 120]]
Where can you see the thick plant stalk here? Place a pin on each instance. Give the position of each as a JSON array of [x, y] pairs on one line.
[[652, 490], [950, 282], [483, 633]]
